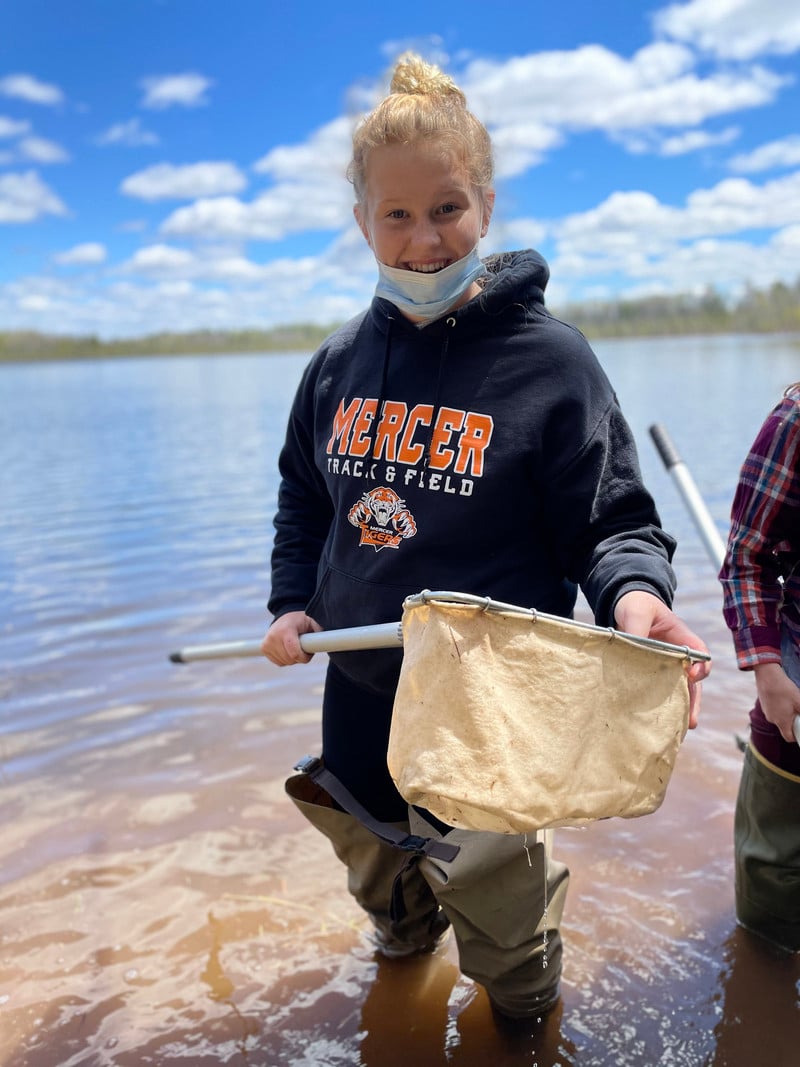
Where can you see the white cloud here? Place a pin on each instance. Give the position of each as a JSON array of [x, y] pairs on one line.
[[734, 29], [12, 128], [788, 239], [520, 146], [24, 197], [166, 288], [39, 150], [593, 88], [310, 193], [224, 216], [618, 223], [775, 154], [736, 205], [158, 259], [325, 154], [86, 254], [214, 264], [26, 87], [632, 235], [654, 142], [693, 140], [727, 265], [272, 216], [637, 224], [164, 181], [131, 134], [217, 264], [175, 90], [505, 234], [35, 302]]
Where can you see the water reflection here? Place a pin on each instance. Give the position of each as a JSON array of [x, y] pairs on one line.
[[222, 989], [757, 1015], [404, 1017]]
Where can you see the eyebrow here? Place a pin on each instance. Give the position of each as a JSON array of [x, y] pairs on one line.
[[442, 194]]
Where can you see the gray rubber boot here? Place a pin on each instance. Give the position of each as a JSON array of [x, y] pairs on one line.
[[767, 852], [372, 866], [504, 897]]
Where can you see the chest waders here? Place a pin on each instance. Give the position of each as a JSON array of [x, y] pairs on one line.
[[767, 839], [503, 894]]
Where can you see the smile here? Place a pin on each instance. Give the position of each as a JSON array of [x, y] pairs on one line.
[[428, 268]]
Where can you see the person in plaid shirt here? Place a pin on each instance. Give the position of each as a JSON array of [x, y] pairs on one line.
[[761, 585]]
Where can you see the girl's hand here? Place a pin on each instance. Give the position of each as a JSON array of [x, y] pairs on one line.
[[779, 697], [281, 644], [644, 615]]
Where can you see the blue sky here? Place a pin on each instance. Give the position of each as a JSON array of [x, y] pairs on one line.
[[179, 164]]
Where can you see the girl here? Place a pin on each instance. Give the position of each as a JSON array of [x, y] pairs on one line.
[[453, 436], [761, 584]]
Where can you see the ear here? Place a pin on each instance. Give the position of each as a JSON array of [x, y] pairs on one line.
[[358, 211], [488, 208]]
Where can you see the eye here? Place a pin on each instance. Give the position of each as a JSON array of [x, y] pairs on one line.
[[398, 213]]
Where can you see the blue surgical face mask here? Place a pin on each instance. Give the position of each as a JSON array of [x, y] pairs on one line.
[[428, 296]]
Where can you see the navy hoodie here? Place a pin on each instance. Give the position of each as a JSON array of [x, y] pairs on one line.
[[500, 465]]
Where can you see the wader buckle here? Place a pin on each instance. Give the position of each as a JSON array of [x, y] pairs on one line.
[[314, 767], [412, 843], [308, 764]]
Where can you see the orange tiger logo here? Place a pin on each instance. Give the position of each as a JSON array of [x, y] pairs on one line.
[[383, 519]]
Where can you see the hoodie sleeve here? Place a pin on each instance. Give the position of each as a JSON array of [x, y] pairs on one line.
[[305, 510], [604, 525]]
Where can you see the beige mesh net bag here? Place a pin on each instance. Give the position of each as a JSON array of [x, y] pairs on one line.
[[512, 721]]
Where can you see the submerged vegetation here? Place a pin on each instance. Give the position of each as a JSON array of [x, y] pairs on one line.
[[773, 310]]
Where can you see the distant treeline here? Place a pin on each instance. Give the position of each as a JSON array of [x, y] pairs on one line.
[[30, 345], [773, 310]]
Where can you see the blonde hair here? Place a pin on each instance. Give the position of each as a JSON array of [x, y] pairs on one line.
[[424, 105]]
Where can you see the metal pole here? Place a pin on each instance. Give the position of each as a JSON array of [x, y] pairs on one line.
[[690, 494], [384, 635], [697, 509]]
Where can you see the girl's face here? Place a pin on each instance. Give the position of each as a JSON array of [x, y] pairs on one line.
[[420, 210]]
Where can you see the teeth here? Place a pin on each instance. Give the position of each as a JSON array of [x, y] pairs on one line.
[[427, 268]]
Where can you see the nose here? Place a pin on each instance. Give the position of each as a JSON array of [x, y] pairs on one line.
[[426, 234]]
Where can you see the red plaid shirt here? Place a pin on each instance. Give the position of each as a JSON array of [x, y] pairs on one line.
[[761, 573]]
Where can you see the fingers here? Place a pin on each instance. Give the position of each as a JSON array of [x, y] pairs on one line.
[[695, 694], [281, 645], [698, 671], [790, 729], [280, 650], [695, 673]]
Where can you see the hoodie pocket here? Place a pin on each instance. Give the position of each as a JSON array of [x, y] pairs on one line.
[[341, 601], [314, 606]]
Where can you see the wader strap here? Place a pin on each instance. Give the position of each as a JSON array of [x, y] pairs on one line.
[[419, 846]]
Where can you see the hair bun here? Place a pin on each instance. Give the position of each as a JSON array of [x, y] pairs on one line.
[[413, 76]]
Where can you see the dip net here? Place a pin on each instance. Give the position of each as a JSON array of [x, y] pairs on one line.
[[509, 720]]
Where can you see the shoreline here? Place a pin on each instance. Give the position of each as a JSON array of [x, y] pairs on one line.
[[68, 349]]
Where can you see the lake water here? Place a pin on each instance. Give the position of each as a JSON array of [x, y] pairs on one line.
[[161, 902]]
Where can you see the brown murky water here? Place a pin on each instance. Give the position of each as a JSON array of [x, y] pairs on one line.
[[161, 902]]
